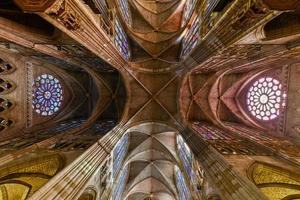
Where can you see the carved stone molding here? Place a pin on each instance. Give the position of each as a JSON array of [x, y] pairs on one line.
[[282, 5], [34, 5]]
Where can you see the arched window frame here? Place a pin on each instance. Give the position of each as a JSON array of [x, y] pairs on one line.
[[121, 40], [4, 88], [5, 105], [191, 38], [6, 67]]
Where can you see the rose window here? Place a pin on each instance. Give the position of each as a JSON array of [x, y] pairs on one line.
[[47, 95], [264, 98]]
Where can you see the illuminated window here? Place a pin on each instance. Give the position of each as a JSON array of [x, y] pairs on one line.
[[191, 38], [121, 40], [185, 155], [211, 133], [120, 185], [47, 95], [184, 193], [119, 154], [188, 10], [264, 98], [124, 7]]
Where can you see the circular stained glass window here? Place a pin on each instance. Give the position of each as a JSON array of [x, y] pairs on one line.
[[264, 98], [47, 95]]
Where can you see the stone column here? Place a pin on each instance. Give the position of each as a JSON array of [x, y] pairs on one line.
[[219, 172], [73, 180]]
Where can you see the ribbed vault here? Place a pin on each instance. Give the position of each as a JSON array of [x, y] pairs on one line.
[[151, 160], [156, 28]]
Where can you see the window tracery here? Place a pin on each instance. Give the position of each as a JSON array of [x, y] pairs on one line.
[[124, 7], [119, 154], [265, 98], [47, 95], [120, 184], [5, 67], [5, 105], [191, 38], [226, 143], [184, 193], [5, 123], [6, 86], [121, 40]]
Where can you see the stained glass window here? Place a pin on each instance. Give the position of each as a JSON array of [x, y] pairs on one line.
[[47, 95], [124, 7], [119, 154], [184, 193], [264, 98], [120, 185], [211, 133], [191, 38], [185, 155], [188, 10], [121, 40]]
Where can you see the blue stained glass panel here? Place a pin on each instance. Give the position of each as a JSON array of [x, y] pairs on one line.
[[184, 193], [120, 185], [119, 154], [47, 95]]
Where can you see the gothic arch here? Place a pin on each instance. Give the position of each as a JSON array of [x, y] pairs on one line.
[[5, 105], [6, 86], [6, 67], [88, 194], [5, 124]]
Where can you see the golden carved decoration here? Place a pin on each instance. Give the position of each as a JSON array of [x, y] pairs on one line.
[[276, 183], [21, 180], [64, 14]]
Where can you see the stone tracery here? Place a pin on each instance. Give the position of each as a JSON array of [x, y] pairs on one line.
[[47, 95], [264, 98]]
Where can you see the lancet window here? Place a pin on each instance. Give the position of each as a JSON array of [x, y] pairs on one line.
[[226, 143], [119, 154], [265, 98], [185, 155], [124, 7], [120, 184], [47, 95], [191, 38], [188, 10], [121, 40], [184, 193]]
